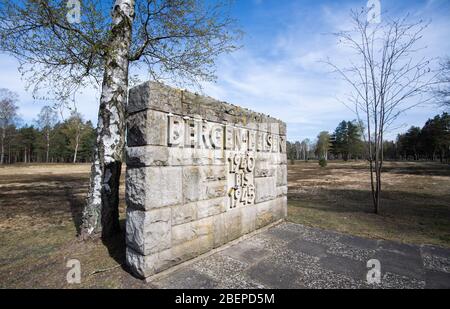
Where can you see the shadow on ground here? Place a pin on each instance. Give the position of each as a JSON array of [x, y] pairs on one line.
[[116, 246]]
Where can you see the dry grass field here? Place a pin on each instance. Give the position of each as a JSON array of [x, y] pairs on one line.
[[415, 200], [40, 210]]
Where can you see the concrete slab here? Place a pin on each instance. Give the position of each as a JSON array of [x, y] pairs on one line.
[[308, 247], [187, 279], [437, 280], [275, 275], [435, 251], [247, 252], [295, 256], [282, 234], [346, 266], [410, 266]]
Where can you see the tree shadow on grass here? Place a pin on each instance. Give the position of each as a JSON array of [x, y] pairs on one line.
[[55, 197], [397, 167], [116, 246], [436, 169], [409, 216], [76, 208], [394, 202]]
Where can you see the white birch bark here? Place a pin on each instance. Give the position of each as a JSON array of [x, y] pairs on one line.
[[101, 213], [48, 145], [77, 142], [2, 155]]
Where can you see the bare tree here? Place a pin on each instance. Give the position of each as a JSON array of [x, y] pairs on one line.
[[77, 123], [47, 118], [443, 90], [178, 40], [74, 128], [298, 150], [387, 78], [8, 110], [305, 148], [323, 145]]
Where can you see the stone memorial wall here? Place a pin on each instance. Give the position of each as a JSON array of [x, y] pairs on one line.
[[200, 173]]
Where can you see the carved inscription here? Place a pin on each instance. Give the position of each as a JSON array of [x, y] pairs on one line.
[[238, 144], [186, 132], [242, 190]]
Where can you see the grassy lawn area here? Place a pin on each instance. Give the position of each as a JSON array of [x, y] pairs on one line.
[[415, 200], [40, 206]]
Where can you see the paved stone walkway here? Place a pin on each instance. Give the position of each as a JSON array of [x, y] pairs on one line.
[[294, 256]]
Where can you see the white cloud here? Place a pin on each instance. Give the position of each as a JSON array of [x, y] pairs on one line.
[[86, 101], [283, 75], [296, 87]]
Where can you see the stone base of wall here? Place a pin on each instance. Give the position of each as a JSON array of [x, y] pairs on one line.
[[174, 268], [189, 240]]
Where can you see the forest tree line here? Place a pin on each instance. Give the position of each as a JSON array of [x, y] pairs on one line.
[[50, 140], [47, 139], [431, 143], [68, 141]]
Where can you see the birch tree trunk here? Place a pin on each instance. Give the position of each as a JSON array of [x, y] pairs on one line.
[[2, 155], [48, 145], [101, 213], [77, 142]]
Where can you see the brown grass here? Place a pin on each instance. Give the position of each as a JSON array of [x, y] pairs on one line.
[[40, 207], [415, 200]]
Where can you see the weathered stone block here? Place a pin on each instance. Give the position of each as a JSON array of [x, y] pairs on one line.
[[147, 188], [146, 265], [263, 126], [156, 96], [283, 129], [281, 175], [248, 219], [264, 214], [267, 158], [233, 224], [184, 213], [203, 182], [281, 191], [265, 189], [148, 231], [284, 206], [201, 157], [188, 231], [211, 207], [273, 127], [147, 128], [220, 230], [270, 211], [282, 158], [193, 248], [264, 168], [164, 156], [148, 156]]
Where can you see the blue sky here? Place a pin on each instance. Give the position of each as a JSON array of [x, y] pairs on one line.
[[277, 71]]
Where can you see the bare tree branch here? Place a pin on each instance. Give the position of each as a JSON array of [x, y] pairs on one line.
[[385, 79]]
